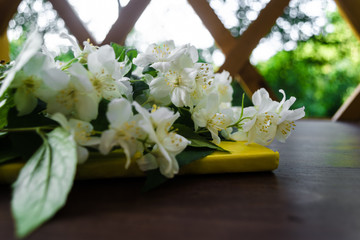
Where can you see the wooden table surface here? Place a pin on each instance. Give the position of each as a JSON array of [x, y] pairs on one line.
[[314, 194]]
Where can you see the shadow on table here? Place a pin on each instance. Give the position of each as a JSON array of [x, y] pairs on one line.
[[190, 194]]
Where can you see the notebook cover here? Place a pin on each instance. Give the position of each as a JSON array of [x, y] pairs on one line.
[[242, 158]]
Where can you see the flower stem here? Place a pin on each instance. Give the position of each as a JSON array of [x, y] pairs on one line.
[[28, 129]]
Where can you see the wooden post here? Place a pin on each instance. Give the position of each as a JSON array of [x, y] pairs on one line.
[[350, 110], [222, 36], [126, 21], [72, 20]]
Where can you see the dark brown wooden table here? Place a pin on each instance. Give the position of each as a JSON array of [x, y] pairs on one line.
[[314, 194]]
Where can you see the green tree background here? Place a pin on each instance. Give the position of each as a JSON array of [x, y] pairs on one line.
[[321, 72]]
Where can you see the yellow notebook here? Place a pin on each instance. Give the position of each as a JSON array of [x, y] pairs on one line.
[[4, 48], [242, 158]]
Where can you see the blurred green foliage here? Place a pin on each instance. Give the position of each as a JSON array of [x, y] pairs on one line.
[[321, 72]]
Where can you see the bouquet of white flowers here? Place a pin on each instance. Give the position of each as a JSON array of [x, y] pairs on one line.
[[153, 106]]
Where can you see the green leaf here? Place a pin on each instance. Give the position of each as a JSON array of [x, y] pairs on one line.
[[154, 178], [149, 70], [138, 88], [101, 123], [196, 139], [26, 143], [131, 53], [191, 154], [185, 117], [34, 119], [65, 57], [44, 182], [4, 110], [123, 53], [7, 152], [7, 156], [119, 51]]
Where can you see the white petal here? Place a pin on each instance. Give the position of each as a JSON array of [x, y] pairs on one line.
[[86, 107], [147, 162], [258, 96], [130, 148], [25, 102], [81, 81], [161, 66], [168, 168], [175, 143], [296, 114], [144, 60], [214, 135], [159, 88], [249, 124], [82, 154], [288, 103], [107, 141], [31, 46], [35, 64], [93, 63], [249, 112], [61, 119], [119, 111], [55, 78], [164, 116], [146, 123], [239, 136]]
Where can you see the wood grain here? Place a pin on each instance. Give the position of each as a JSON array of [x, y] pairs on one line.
[[314, 194]]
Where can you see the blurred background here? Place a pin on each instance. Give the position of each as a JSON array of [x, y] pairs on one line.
[[310, 52]]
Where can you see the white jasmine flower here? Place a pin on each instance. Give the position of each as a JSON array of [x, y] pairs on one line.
[[158, 56], [75, 96], [168, 144], [189, 51], [222, 85], [123, 131], [81, 132], [79, 53], [262, 128], [261, 120], [176, 85], [287, 117], [31, 47], [234, 134], [106, 73], [204, 82], [34, 81], [207, 114]]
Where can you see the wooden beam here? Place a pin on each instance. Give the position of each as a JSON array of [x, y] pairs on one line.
[[222, 36], [72, 20], [350, 11], [251, 80], [248, 77], [126, 21], [350, 110], [7, 10], [251, 37]]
